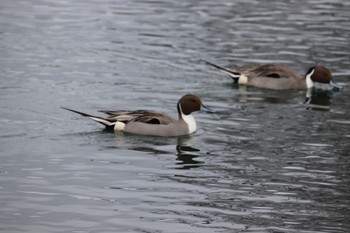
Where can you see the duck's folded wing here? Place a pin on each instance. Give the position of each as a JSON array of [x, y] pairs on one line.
[[122, 112], [123, 115], [267, 71], [155, 118], [144, 116]]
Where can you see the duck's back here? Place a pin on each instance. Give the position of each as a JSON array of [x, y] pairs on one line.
[[145, 116]]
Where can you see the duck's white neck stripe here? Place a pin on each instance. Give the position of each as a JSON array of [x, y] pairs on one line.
[[309, 82], [189, 119]]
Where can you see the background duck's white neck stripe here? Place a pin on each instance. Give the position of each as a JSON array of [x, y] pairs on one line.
[[309, 82]]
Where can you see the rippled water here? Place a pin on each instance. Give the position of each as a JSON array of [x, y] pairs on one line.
[[264, 162]]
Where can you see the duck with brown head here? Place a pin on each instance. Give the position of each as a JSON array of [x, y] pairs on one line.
[[148, 122], [320, 77], [280, 77]]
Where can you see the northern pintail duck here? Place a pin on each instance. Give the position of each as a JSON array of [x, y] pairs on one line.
[[280, 77], [148, 122]]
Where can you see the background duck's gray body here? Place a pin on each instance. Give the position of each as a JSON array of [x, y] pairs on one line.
[[272, 76]]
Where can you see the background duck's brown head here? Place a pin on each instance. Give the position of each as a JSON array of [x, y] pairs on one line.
[[321, 74]]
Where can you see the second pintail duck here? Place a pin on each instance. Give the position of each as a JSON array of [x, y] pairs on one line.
[[280, 76], [148, 122]]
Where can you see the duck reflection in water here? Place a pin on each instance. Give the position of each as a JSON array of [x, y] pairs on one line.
[[319, 99], [186, 153]]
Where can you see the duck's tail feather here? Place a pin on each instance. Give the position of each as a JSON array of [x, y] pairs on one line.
[[234, 75], [98, 119]]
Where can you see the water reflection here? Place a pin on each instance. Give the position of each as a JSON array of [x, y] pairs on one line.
[[253, 94], [182, 146], [186, 153], [315, 99], [319, 100]]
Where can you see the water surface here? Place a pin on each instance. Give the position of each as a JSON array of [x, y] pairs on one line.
[[264, 162]]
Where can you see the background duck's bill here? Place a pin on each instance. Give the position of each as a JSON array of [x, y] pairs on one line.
[[331, 86], [336, 86]]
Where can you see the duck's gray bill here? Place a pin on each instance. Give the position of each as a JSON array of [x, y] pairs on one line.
[[206, 109], [336, 86]]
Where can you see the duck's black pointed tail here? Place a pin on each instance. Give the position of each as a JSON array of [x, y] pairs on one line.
[[98, 119], [234, 75]]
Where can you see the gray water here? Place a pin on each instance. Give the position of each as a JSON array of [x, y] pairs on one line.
[[264, 162]]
